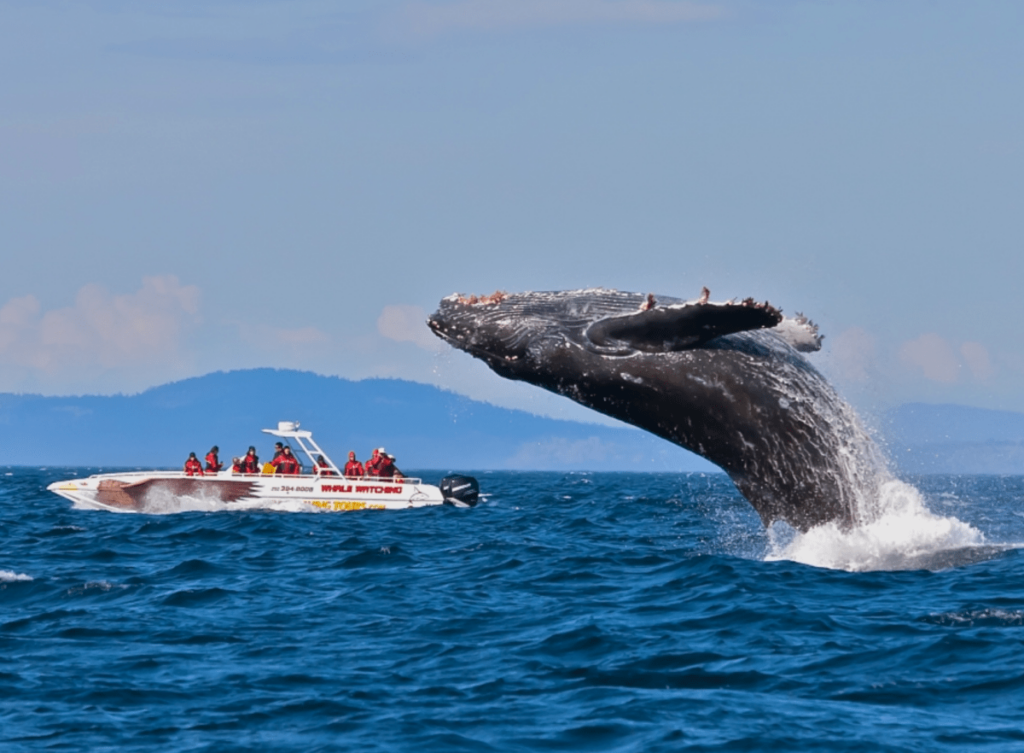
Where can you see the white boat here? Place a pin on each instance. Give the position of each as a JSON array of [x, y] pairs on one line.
[[325, 489]]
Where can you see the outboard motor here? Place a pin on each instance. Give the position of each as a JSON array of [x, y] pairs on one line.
[[461, 491]]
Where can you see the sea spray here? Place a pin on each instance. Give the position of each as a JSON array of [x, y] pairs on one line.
[[898, 532], [892, 527]]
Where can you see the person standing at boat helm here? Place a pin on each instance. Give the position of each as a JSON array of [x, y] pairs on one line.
[[213, 463], [192, 466], [353, 467], [286, 464], [323, 467], [251, 463], [278, 449]]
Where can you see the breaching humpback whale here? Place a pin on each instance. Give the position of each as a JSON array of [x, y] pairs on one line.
[[724, 380]]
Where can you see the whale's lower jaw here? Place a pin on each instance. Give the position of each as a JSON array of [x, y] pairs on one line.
[[716, 379]]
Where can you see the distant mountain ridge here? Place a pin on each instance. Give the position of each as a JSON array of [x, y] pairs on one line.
[[942, 438], [423, 426]]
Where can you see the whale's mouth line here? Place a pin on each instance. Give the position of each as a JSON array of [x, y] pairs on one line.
[[458, 344]]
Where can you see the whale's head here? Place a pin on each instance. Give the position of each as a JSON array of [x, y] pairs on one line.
[[520, 335], [505, 331], [526, 335]]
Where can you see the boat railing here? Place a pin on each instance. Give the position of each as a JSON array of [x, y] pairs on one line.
[[375, 480], [324, 476]]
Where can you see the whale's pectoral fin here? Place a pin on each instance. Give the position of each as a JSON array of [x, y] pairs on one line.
[[674, 328]]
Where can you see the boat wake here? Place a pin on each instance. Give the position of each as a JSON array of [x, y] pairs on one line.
[[899, 532]]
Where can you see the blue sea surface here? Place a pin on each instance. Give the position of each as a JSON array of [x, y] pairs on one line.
[[584, 612]]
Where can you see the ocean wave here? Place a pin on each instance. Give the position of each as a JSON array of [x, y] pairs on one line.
[[9, 576]]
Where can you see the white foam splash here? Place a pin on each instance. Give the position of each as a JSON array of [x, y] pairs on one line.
[[94, 585], [900, 532], [162, 501], [972, 617], [892, 527], [9, 576]]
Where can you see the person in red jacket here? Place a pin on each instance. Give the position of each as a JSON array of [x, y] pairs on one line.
[[386, 467], [236, 465], [353, 467], [213, 464], [323, 467], [192, 466], [251, 463], [373, 464], [285, 463]]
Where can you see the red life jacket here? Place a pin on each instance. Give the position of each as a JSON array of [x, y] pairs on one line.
[[250, 464], [386, 467], [354, 468], [212, 463], [286, 464], [325, 469], [193, 467], [236, 467], [373, 466]]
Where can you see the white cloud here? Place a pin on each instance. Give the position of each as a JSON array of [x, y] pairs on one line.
[[940, 361], [934, 356], [854, 354], [99, 332], [408, 324], [431, 19], [976, 357]]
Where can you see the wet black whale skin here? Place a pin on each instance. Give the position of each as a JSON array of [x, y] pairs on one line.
[[713, 378]]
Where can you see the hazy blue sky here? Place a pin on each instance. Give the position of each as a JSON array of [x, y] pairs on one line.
[[194, 186]]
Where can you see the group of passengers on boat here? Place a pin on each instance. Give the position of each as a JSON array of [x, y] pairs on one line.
[[380, 464]]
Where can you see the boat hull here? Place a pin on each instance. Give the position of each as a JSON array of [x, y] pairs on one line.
[[174, 491]]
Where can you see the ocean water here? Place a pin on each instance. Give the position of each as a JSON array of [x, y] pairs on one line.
[[584, 612]]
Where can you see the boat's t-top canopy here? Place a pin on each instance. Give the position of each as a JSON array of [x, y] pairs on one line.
[[304, 439]]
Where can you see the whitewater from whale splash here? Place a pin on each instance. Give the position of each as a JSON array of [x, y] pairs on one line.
[[901, 534], [893, 528]]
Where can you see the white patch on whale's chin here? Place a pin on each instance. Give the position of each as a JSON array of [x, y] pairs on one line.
[[902, 535]]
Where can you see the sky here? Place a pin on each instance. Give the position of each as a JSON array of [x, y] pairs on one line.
[[198, 186]]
